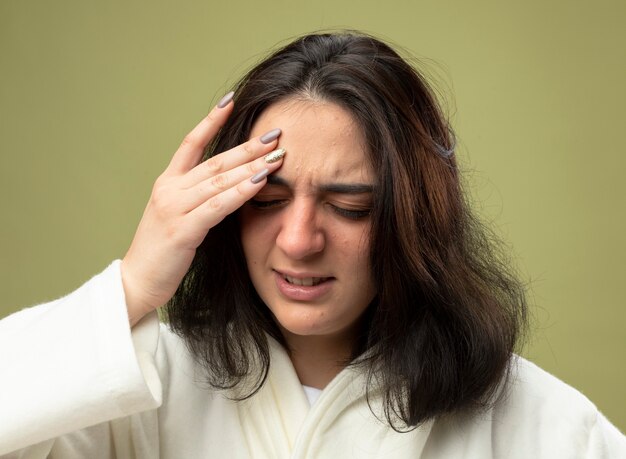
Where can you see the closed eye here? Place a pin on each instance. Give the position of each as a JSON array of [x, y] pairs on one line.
[[352, 214], [259, 204]]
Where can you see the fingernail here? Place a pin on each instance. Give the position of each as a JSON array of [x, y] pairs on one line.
[[275, 155], [270, 135], [224, 101], [256, 178]]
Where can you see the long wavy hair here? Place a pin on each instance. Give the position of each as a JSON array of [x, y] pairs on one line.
[[439, 336]]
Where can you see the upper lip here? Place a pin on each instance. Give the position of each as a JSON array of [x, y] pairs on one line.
[[300, 275]]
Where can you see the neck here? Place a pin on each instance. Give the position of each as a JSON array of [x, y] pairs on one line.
[[318, 359]]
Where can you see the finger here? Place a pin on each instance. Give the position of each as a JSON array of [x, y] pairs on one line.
[[241, 154], [190, 151], [213, 186], [214, 210]]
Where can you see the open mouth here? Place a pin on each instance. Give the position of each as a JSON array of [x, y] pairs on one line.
[[305, 281]]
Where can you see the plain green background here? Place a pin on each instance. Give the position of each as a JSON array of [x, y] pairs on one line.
[[96, 95]]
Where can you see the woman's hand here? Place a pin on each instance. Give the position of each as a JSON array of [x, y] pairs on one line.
[[187, 200]]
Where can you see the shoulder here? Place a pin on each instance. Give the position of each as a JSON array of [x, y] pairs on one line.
[[534, 415], [532, 388], [538, 409]]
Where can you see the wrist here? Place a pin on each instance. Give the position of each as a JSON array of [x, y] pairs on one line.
[[135, 306]]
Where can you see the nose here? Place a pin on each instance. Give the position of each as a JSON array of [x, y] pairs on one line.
[[300, 235]]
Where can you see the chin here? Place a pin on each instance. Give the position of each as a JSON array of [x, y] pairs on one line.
[[302, 324], [300, 328]]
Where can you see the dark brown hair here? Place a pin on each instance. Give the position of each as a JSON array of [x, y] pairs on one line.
[[441, 331]]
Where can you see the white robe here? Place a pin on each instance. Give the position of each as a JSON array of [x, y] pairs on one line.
[[75, 382]]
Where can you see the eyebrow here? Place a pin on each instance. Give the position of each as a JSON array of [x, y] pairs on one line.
[[340, 188]]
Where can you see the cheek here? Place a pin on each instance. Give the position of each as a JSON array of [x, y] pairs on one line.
[[257, 235], [363, 265], [247, 234], [356, 247]]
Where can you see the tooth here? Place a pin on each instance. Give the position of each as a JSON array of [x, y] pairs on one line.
[[293, 280], [306, 282]]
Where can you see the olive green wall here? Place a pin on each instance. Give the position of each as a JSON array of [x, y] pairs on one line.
[[95, 96]]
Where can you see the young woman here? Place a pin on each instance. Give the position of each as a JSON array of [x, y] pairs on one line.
[[328, 294]]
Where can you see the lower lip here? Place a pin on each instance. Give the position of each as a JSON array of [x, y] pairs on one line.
[[302, 292]]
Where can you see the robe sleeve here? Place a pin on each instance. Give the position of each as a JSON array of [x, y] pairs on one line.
[[605, 440], [74, 363]]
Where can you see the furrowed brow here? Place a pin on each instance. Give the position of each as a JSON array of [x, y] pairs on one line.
[[276, 180], [339, 188], [347, 188]]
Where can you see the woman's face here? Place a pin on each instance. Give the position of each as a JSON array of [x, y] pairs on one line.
[[306, 234]]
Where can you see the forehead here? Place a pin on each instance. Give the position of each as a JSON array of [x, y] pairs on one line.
[[324, 144]]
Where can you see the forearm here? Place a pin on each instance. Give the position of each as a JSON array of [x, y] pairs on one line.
[[73, 363]]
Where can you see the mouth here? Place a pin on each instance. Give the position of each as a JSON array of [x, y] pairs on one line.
[[307, 287], [305, 281]]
